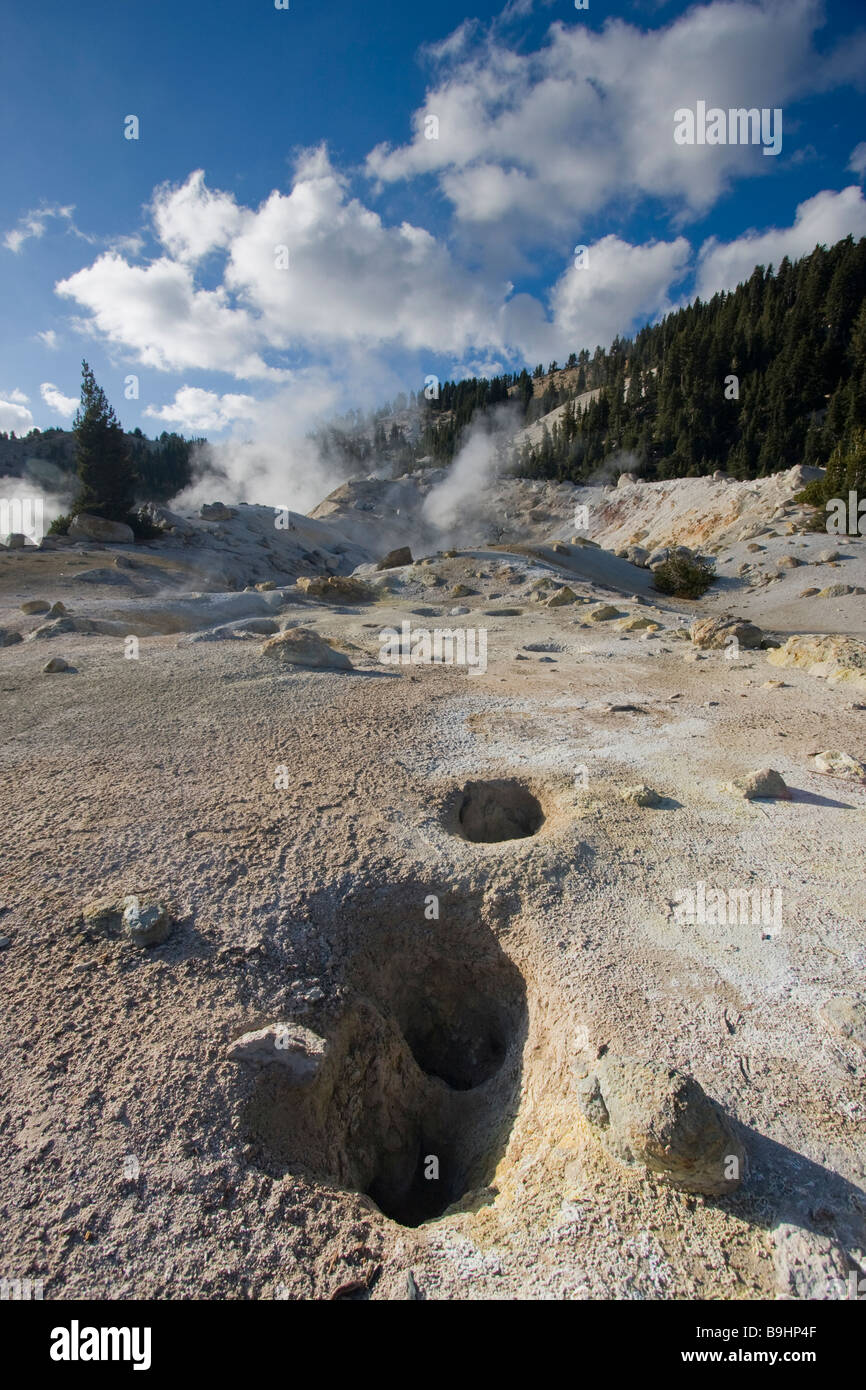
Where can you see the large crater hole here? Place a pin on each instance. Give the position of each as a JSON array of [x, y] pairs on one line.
[[415, 1100], [499, 810]]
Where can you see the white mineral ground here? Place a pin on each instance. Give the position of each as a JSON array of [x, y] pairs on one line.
[[156, 776]]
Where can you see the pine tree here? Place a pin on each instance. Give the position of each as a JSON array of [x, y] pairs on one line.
[[102, 456]]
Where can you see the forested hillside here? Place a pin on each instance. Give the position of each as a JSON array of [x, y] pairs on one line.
[[163, 466], [793, 338]]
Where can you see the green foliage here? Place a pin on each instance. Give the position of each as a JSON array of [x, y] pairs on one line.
[[102, 458], [684, 578], [142, 529], [59, 526], [846, 472]]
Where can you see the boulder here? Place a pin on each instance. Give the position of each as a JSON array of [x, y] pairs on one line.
[[146, 923], [765, 784], [162, 519], [637, 555], [651, 1115], [395, 558], [788, 562], [715, 633], [838, 591], [15, 541], [840, 660], [603, 613], [35, 605], [86, 527], [9, 637], [55, 665], [297, 1051], [841, 765], [300, 646], [58, 610], [216, 511], [337, 588], [641, 795], [101, 917], [562, 597]]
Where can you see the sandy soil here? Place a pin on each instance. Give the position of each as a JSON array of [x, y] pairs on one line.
[[139, 1161]]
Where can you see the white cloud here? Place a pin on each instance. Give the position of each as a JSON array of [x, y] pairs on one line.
[[821, 220], [190, 220], [350, 280], [156, 312], [531, 144], [32, 225], [619, 284], [14, 414], [49, 338], [200, 411], [857, 162], [65, 406]]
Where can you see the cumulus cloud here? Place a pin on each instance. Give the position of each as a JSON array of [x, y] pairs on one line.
[[192, 220], [156, 312], [14, 414], [315, 272], [65, 406], [200, 411], [49, 338], [857, 162], [309, 270], [821, 220], [530, 144], [616, 284]]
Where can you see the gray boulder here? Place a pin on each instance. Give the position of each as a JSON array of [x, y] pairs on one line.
[[765, 784], [649, 1114], [715, 633], [395, 558], [146, 923], [86, 527], [300, 646]]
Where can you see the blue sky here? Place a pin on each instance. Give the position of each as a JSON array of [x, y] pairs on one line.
[[305, 129]]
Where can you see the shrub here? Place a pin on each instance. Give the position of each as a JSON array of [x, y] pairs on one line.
[[142, 528], [683, 577], [60, 525]]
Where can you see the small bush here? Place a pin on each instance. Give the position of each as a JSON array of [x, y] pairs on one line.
[[142, 529], [814, 494], [60, 525], [682, 577]]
